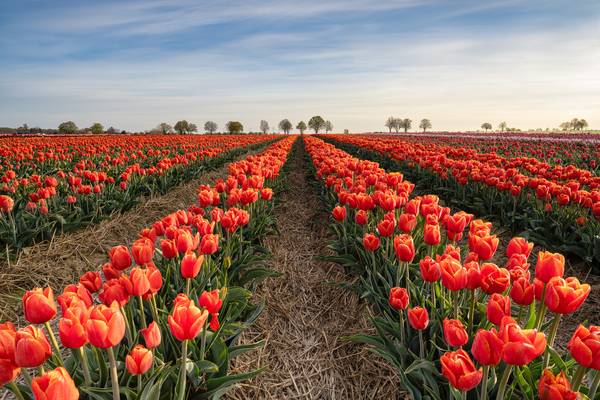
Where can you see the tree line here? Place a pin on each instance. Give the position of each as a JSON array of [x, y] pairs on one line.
[[405, 123]]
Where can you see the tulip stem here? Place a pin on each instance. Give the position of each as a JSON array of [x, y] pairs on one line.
[[594, 387], [504, 382], [471, 311], [577, 377], [455, 301], [188, 283], [16, 391], [183, 373], [41, 370], [27, 378], [553, 332], [142, 313], [139, 384], [127, 326], [541, 310], [114, 377], [421, 345], [433, 301], [484, 382], [203, 343], [84, 364], [54, 343]]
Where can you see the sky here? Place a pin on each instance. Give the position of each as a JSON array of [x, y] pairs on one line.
[[134, 64]]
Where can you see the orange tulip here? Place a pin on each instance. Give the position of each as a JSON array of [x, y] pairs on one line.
[[460, 371], [404, 248], [407, 222], [371, 242], [521, 346], [139, 360], [455, 333], [105, 327], [487, 347], [518, 245], [498, 307], [549, 265], [339, 213], [485, 246], [522, 292], [152, 335], [564, 296], [55, 385], [418, 317], [585, 346], [120, 257], [431, 234], [430, 269], [8, 368], [493, 279], [555, 387], [168, 248], [186, 321], [114, 290], [32, 348], [139, 281], [209, 244], [71, 328], [142, 251], [39, 305], [92, 281], [190, 265], [454, 275]]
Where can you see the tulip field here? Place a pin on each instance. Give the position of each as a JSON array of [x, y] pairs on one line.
[[455, 310]]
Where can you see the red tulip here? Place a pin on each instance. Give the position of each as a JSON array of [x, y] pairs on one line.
[[186, 320], [407, 222], [487, 347], [152, 335], [460, 371], [339, 213], [168, 249], [522, 292], [71, 328], [518, 245], [120, 257], [55, 385], [209, 244], [139, 280], [555, 387], [494, 279], [564, 296], [371, 242], [585, 346], [418, 317], [114, 290], [32, 348], [473, 275], [398, 298], [39, 305], [8, 367], [549, 265], [110, 272], [142, 251], [190, 265], [8, 371], [431, 234], [521, 346], [430, 269], [139, 360], [386, 228], [212, 302], [454, 275], [361, 217], [404, 248], [498, 307], [154, 278], [106, 326], [455, 333], [92, 281], [484, 246]]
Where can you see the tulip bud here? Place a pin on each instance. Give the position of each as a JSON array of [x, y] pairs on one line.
[[398, 298], [190, 265], [139, 360], [39, 305], [455, 333], [418, 317], [152, 335]]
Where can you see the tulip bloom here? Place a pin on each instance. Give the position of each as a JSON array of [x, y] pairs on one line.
[[139, 281], [212, 302], [460, 371], [484, 246], [142, 251], [8, 368], [585, 346], [190, 265], [8, 371], [209, 244], [407, 222], [494, 279], [430, 269], [71, 328], [139, 360], [487, 347], [455, 333], [186, 321], [431, 234], [386, 228], [398, 298], [114, 290], [32, 348], [120, 257], [556, 387], [473, 275], [152, 335], [518, 245], [522, 292], [454, 275], [565, 296], [371, 242], [92, 281], [498, 307], [521, 346], [549, 265], [404, 248], [168, 248], [361, 217], [418, 317], [339, 213], [55, 385], [106, 326], [39, 305]]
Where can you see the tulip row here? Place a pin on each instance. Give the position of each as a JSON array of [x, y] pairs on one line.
[[558, 207], [445, 312], [162, 318], [51, 185]]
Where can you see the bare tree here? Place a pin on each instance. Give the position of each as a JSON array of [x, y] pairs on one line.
[[405, 124], [164, 127], [328, 126], [182, 126], [192, 128], [425, 124], [390, 123], [285, 125], [210, 127], [264, 126], [503, 126]]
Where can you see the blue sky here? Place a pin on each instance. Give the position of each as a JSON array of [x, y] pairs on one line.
[[133, 64]]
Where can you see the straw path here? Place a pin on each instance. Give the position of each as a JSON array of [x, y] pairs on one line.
[[306, 319]]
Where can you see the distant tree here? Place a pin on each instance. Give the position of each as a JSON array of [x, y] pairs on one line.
[[23, 129], [565, 126], [301, 127], [503, 126], [390, 123], [328, 126], [487, 126], [316, 123], [234, 127], [182, 126], [97, 128], [425, 124], [68, 127], [210, 127], [164, 128], [285, 125], [192, 128], [405, 124], [578, 124], [264, 126], [111, 130]]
